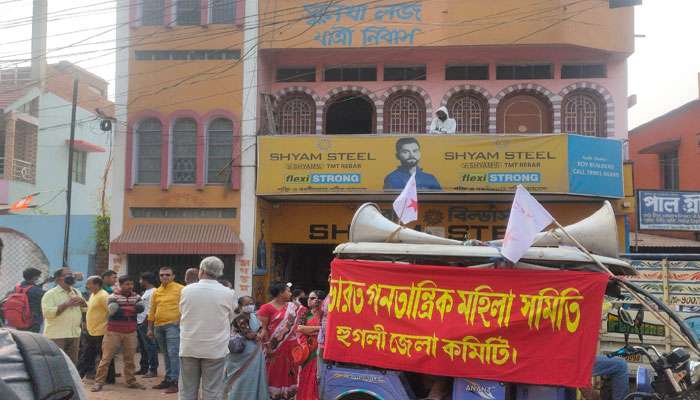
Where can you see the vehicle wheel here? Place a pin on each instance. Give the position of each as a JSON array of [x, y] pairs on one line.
[[358, 396]]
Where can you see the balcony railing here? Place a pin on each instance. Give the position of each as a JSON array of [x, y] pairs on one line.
[[23, 171]]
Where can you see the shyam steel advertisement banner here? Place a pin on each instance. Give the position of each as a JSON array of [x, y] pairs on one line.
[[442, 163]]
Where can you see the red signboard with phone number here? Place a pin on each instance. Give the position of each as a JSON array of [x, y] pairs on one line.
[[537, 327]]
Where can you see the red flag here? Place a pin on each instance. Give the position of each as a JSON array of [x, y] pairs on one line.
[[21, 203]]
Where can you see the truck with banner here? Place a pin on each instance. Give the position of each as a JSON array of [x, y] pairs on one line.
[[407, 308]]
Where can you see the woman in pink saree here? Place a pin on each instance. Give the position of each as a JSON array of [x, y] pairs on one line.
[[279, 319]]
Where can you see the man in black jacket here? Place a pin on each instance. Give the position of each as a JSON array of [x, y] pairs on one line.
[[34, 294]]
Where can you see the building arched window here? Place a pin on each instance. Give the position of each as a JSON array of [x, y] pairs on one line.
[[149, 133], [350, 113], [296, 115], [524, 111], [470, 112], [404, 112], [583, 112], [184, 150], [219, 150]]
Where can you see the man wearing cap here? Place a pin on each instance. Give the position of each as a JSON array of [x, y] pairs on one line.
[[207, 311]]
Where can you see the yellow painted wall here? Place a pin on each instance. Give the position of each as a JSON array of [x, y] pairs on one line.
[[182, 197], [171, 85], [286, 24], [201, 86]]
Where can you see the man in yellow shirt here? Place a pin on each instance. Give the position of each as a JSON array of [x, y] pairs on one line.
[[164, 325], [96, 323], [62, 307]]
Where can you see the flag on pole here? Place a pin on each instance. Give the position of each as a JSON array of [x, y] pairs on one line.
[[527, 219], [406, 205], [22, 203]]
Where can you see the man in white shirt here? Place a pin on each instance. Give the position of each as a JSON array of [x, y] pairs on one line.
[[442, 123], [207, 310], [149, 347]]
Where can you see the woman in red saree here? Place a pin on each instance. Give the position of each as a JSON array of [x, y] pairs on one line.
[[279, 319], [308, 385]]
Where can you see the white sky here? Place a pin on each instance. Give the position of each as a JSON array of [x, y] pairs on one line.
[[663, 71]]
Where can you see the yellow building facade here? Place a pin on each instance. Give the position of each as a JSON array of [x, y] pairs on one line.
[[253, 129]]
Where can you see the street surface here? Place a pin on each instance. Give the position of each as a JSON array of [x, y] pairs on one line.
[[119, 391]]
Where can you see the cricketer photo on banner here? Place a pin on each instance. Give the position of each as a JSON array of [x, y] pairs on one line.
[[318, 164], [505, 325]]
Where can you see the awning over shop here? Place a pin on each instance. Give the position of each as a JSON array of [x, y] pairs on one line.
[[661, 147], [177, 239]]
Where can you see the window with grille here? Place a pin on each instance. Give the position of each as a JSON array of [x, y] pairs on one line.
[[296, 74], [152, 12], [466, 72], [350, 74], [2, 147], [184, 161], [583, 113], [188, 12], [158, 212], [412, 73], [405, 113], [193, 55], [581, 71], [25, 143], [532, 71], [469, 111], [148, 155], [79, 166], [669, 170], [222, 11], [219, 150], [296, 115]]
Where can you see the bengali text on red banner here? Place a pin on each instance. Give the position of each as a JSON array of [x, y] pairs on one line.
[[527, 326]]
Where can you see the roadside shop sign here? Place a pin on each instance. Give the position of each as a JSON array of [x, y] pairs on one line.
[[535, 327], [675, 211]]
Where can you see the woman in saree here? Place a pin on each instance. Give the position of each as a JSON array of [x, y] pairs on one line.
[[246, 378], [280, 319], [308, 384]]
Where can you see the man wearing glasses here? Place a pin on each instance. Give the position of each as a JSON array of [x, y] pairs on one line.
[[164, 325]]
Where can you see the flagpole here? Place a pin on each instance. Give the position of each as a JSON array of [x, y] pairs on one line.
[[634, 294]]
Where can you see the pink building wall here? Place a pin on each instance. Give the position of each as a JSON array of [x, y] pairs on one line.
[[613, 88]]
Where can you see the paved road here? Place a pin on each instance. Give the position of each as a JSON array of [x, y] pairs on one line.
[[119, 391]]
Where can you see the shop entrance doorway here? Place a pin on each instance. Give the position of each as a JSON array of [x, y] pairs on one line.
[[305, 265], [139, 263]]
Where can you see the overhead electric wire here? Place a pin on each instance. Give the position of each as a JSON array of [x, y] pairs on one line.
[[349, 98], [528, 15], [172, 65]]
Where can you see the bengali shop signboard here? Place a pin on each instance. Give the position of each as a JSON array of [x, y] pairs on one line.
[[535, 327], [444, 164], [675, 211]]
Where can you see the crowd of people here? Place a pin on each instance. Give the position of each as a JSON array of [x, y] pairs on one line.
[[213, 345]]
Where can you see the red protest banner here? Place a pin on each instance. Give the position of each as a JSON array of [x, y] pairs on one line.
[[536, 327]]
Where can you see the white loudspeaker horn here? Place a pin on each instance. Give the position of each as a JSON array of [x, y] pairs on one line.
[[369, 225], [597, 233]]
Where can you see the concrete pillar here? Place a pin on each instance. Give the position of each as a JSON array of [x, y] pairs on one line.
[[248, 212], [10, 121], [39, 23], [118, 262]]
